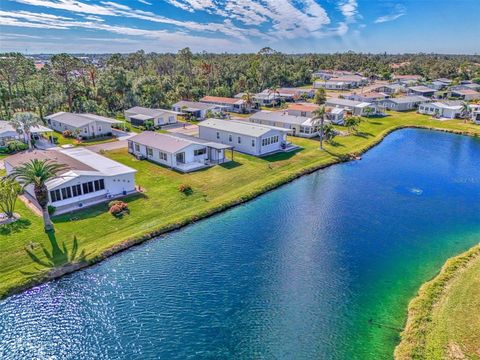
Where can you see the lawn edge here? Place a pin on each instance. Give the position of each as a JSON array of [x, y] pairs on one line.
[[413, 337], [134, 241]]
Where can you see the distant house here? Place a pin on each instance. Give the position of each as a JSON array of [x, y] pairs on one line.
[[82, 125], [139, 115], [437, 85], [196, 109], [298, 93], [88, 179], [246, 137], [390, 89], [475, 113], [465, 94], [341, 83], [442, 109], [228, 104], [8, 132], [301, 126], [328, 74], [269, 97], [357, 108], [403, 103], [180, 152], [421, 90], [367, 97], [407, 79], [302, 109], [467, 86]]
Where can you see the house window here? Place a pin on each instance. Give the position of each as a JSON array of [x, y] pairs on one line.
[[230, 138], [85, 130], [253, 142], [149, 151], [66, 193], [99, 185], [239, 139], [137, 147], [87, 187], [163, 156], [55, 195], [99, 129], [200, 152], [76, 190], [218, 135]]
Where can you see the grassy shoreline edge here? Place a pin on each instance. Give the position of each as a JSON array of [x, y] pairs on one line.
[[133, 241], [413, 337]]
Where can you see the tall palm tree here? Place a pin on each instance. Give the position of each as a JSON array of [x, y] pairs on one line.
[[23, 123], [248, 98], [318, 119], [465, 111], [274, 90], [38, 173]]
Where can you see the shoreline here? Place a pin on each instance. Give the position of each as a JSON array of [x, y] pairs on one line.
[[413, 337], [131, 242]]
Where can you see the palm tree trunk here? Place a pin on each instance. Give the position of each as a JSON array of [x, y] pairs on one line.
[[321, 134], [48, 225]]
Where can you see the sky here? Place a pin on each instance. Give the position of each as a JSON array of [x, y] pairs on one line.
[[291, 26]]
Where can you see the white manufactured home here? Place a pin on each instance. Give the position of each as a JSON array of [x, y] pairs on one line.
[[138, 116], [82, 125], [357, 108], [246, 137], [301, 126], [442, 109], [180, 152], [89, 178], [197, 109]]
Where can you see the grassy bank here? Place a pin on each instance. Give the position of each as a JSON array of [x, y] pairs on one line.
[[444, 319], [162, 207]]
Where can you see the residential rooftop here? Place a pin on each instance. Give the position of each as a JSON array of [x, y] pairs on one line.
[[281, 117], [194, 105], [240, 127], [222, 100], [78, 120], [148, 113]]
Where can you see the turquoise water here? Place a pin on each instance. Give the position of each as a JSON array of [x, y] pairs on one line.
[[321, 268]]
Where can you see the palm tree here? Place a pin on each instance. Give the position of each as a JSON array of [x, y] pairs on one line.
[[319, 118], [465, 111], [37, 173], [23, 124], [328, 132], [274, 90], [248, 98]]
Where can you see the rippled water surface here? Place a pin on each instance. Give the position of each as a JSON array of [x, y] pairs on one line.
[[321, 268]]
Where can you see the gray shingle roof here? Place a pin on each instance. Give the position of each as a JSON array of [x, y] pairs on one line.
[[280, 117], [407, 99], [195, 105], [151, 113], [78, 120]]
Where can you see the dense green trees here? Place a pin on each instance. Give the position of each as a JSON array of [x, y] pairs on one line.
[[107, 84]]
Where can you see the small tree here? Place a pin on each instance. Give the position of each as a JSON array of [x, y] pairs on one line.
[[9, 191], [318, 119], [23, 124], [249, 100], [465, 111], [352, 123], [320, 96], [328, 132]]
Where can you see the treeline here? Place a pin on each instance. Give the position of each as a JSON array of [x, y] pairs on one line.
[[116, 82]]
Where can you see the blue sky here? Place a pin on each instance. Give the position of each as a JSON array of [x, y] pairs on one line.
[[293, 26]]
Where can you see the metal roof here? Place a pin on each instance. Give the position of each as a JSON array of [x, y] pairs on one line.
[[79, 120], [240, 127]]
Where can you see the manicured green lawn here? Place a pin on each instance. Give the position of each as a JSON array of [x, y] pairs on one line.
[[62, 140], [444, 319], [163, 206]]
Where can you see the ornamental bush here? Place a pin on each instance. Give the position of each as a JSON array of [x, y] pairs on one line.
[[118, 208], [67, 133], [185, 189]]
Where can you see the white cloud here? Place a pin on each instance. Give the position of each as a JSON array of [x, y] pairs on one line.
[[349, 9], [145, 2], [398, 11]]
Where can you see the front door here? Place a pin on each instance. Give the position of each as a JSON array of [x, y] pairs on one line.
[[180, 158]]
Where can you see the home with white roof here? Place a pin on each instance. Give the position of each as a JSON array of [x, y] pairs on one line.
[[139, 115], [442, 109], [465, 94], [89, 178], [421, 90], [302, 109], [197, 109], [82, 126], [403, 103], [390, 89], [357, 108], [475, 113], [9, 133], [301, 126], [370, 96], [228, 104], [246, 137], [408, 80], [178, 151]]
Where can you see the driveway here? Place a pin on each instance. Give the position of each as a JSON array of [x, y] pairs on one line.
[[189, 129], [114, 145]]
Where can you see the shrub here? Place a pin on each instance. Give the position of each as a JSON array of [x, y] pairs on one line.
[[67, 133], [51, 210], [15, 146], [185, 189], [118, 208]]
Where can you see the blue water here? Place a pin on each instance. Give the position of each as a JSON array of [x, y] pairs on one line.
[[321, 268]]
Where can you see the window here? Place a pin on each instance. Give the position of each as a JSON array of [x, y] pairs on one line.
[[200, 152], [85, 130], [230, 138], [163, 156], [87, 187], [99, 185], [239, 139], [253, 142], [149, 151], [99, 129], [76, 190], [218, 135], [137, 147], [66, 193], [55, 195]]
